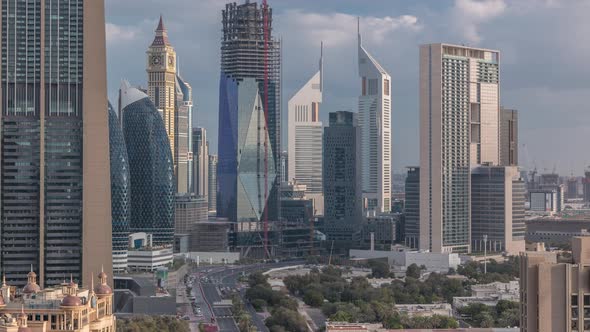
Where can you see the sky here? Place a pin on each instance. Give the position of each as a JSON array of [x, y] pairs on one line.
[[545, 53]]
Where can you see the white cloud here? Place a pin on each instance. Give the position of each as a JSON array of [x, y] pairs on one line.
[[118, 33], [469, 14], [338, 28]]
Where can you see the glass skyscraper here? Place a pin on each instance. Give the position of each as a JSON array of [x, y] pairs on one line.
[[120, 192], [242, 187], [55, 160], [151, 167], [342, 178], [240, 175]]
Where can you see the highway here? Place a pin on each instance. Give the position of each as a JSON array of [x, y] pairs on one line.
[[209, 279]]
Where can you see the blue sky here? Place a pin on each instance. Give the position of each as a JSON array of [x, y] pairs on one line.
[[543, 43]]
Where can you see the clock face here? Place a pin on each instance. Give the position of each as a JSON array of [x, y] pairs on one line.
[[156, 60]]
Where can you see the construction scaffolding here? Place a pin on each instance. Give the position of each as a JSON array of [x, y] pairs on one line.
[[248, 50]]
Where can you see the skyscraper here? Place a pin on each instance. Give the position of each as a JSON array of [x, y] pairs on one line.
[[305, 139], [187, 97], [508, 137], [120, 192], [212, 182], [412, 208], [458, 128], [497, 210], [242, 193], [181, 139], [163, 87], [246, 59], [342, 177], [374, 119], [150, 166], [200, 162], [56, 215]]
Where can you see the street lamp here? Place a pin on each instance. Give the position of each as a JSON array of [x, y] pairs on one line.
[[485, 254]]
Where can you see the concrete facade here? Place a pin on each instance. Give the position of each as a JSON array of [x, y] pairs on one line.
[[459, 97], [305, 139], [434, 262], [555, 296], [50, 191], [374, 120]]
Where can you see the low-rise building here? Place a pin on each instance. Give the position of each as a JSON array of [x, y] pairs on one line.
[[489, 294], [143, 256], [210, 236], [63, 308], [442, 309], [141, 295], [434, 262], [552, 231], [381, 230]]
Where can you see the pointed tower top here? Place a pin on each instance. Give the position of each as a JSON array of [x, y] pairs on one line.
[[161, 38], [161, 26], [358, 29]]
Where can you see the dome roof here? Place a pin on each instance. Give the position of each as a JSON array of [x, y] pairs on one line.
[[103, 290], [102, 275], [71, 301], [31, 288], [31, 274]]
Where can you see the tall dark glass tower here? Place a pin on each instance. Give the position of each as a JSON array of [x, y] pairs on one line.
[[55, 185], [342, 177], [120, 192], [244, 62], [412, 208], [151, 167]]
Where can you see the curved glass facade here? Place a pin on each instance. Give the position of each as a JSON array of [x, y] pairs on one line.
[[120, 192], [151, 170]]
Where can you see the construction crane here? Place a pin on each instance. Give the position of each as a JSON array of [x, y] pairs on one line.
[[266, 33]]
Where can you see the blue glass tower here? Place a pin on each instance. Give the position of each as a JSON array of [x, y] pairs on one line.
[[242, 192], [120, 192], [245, 192], [151, 167]]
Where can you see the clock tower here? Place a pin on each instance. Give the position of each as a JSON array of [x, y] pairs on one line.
[[161, 69]]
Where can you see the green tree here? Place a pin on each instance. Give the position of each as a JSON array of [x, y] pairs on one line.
[[290, 320], [313, 298], [379, 268], [257, 278], [413, 271]]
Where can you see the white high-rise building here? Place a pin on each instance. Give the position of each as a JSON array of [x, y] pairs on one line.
[[375, 123], [459, 114], [305, 139]]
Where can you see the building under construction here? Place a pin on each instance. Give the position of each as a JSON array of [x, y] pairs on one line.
[[248, 169]]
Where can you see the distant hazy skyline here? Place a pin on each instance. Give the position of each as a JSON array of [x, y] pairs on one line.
[[544, 73]]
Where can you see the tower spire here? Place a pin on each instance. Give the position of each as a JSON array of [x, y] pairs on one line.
[[322, 66], [161, 38], [358, 29], [161, 26]]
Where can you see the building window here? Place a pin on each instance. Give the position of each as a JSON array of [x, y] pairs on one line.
[[386, 87]]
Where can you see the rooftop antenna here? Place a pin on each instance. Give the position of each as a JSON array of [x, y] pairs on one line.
[[321, 66], [358, 28]]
